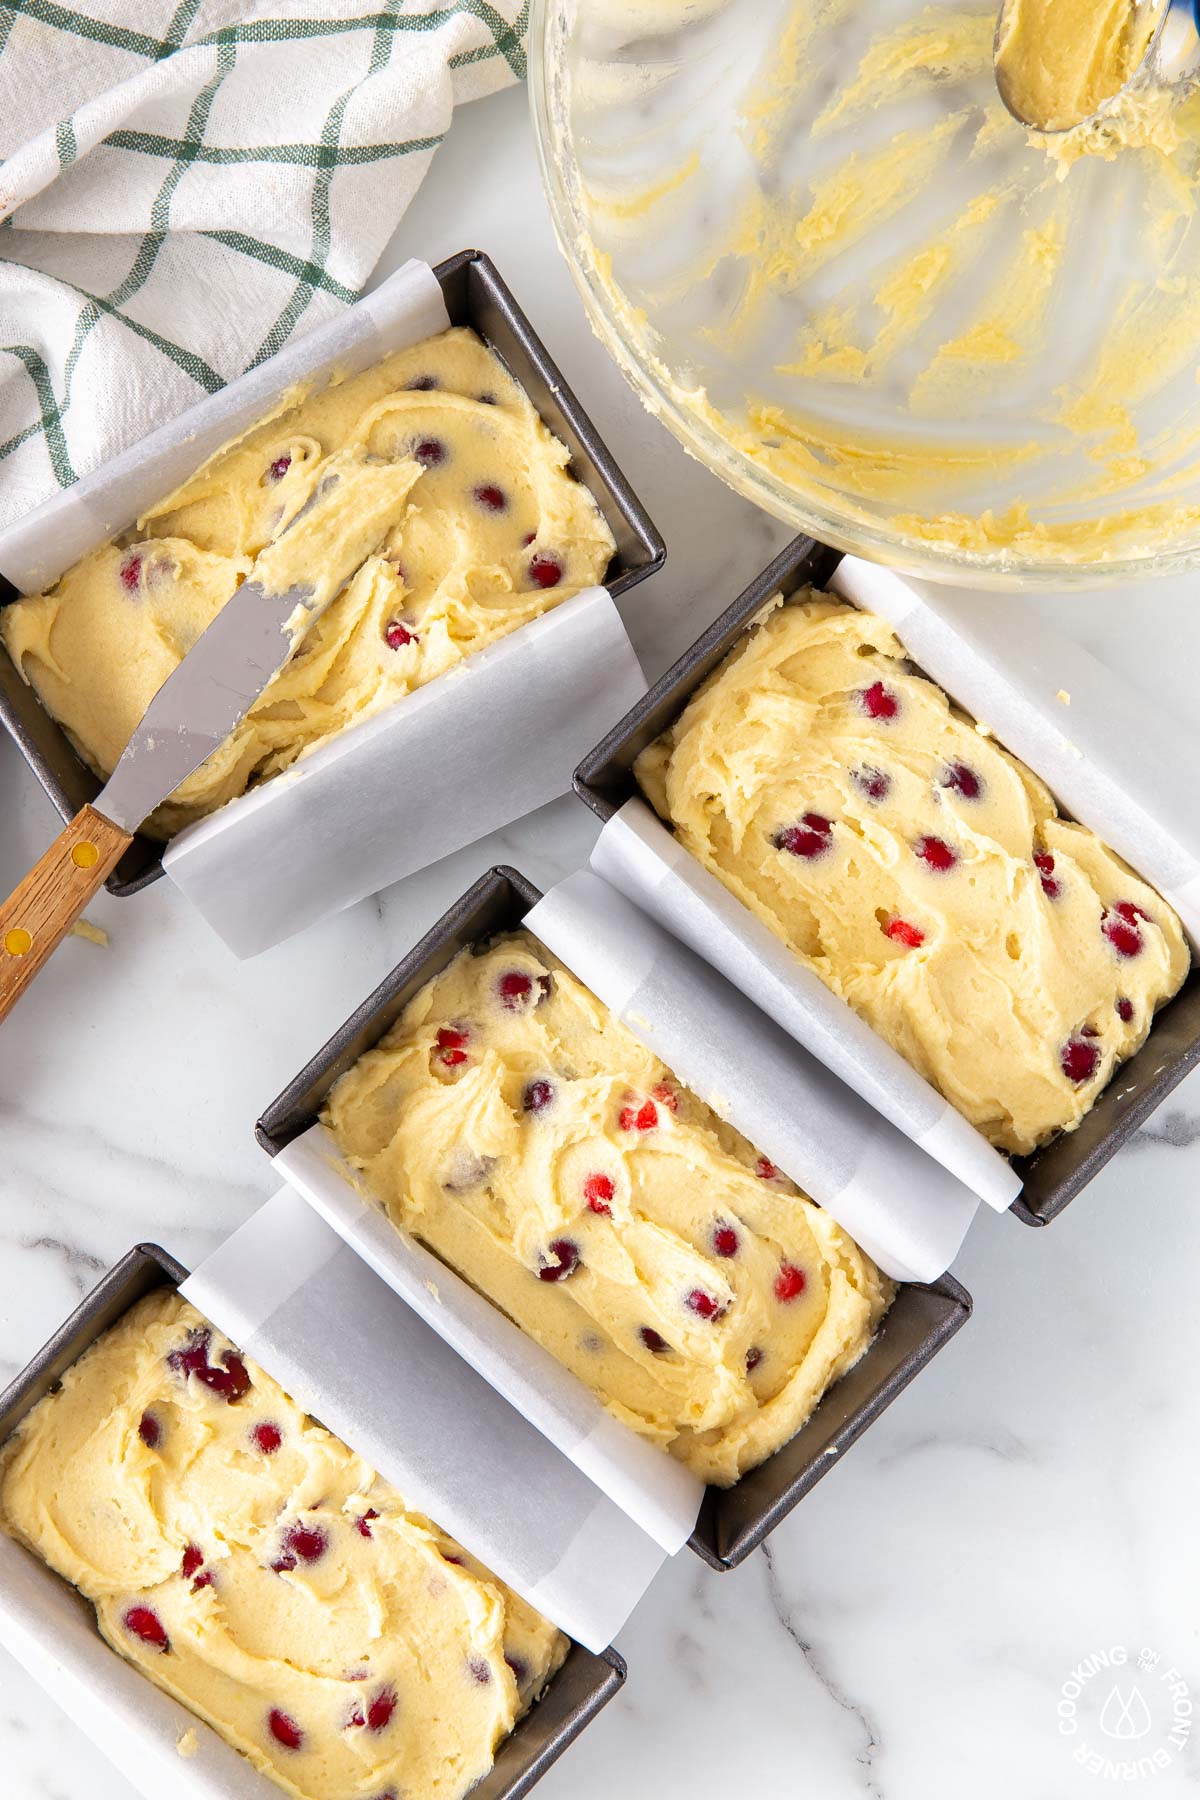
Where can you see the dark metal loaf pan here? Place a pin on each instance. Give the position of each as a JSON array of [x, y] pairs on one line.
[[1058, 1171], [582, 1686], [733, 1521], [475, 295]]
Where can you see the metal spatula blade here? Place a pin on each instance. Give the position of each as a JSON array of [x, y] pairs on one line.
[[203, 700]]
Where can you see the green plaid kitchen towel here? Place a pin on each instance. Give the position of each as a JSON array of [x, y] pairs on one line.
[[187, 184]]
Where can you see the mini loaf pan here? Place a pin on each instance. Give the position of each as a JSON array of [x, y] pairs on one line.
[[475, 295], [733, 1521], [1053, 1175], [583, 1685]]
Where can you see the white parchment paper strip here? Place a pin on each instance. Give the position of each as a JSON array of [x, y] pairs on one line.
[[36, 549], [656, 1492], [905, 1209], [640, 858], [482, 745], [51, 1631], [1119, 765], [301, 1302]]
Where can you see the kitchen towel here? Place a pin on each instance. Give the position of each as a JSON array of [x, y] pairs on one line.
[[187, 185]]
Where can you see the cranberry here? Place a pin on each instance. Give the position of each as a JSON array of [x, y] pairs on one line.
[[808, 839], [284, 1730], [456, 1560], [639, 1118], [753, 1357], [379, 1712], [1124, 1010], [301, 1543], [565, 1255], [480, 1669], [538, 1096], [228, 1378], [487, 400], [878, 702], [790, 1282], [1043, 862], [146, 1625], [397, 635], [666, 1096], [191, 1357], [149, 1430], [705, 1306], [308, 1541], [653, 1340], [520, 1670], [874, 783], [936, 852], [430, 452], [279, 468], [1120, 927], [1079, 1059], [267, 1438], [421, 384], [963, 780], [516, 988], [725, 1240], [901, 932], [130, 574], [765, 1169], [491, 497], [193, 1560], [598, 1191], [528, 539], [546, 570], [363, 1525], [232, 1381], [451, 1040]]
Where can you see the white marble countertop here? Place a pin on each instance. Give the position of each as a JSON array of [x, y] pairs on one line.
[[909, 1630]]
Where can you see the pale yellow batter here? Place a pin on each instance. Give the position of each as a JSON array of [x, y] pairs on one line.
[[1058, 60], [920, 870], [521, 1132], [465, 514], [263, 1575]]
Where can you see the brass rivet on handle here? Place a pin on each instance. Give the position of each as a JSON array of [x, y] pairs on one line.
[[18, 941], [85, 856]]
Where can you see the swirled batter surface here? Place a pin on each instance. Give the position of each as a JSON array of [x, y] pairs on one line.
[[476, 527], [258, 1571], [516, 1128], [920, 870]]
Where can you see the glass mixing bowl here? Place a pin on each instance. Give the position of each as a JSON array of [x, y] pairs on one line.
[[856, 289]]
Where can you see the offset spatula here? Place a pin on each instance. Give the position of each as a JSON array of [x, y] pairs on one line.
[[198, 706]]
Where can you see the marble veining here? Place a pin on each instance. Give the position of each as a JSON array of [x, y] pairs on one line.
[[1028, 1501], [871, 1747]]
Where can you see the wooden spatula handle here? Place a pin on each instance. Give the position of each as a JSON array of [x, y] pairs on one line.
[[38, 916]]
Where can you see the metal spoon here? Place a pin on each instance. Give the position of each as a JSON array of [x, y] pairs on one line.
[[1172, 55]]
